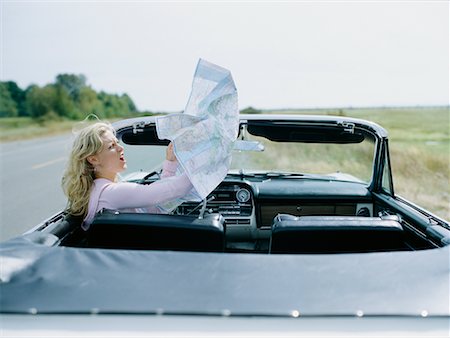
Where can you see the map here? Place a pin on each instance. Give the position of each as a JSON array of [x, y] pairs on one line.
[[203, 135]]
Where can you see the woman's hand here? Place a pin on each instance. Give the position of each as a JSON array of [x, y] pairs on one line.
[[170, 156]]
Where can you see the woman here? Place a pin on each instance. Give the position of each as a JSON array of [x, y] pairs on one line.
[[90, 180]]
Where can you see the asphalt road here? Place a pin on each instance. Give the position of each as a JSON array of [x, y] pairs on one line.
[[31, 171], [30, 182]]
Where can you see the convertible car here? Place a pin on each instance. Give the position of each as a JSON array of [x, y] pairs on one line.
[[305, 236]]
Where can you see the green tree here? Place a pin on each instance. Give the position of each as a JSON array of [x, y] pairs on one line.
[[41, 102], [129, 102], [63, 104], [88, 103], [8, 107], [72, 83], [69, 97], [250, 110], [115, 105], [18, 95]]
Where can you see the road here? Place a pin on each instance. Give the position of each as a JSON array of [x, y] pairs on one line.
[[31, 171], [30, 182]]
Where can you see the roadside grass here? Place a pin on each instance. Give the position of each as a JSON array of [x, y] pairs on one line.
[[20, 128], [352, 159], [23, 128], [419, 142]]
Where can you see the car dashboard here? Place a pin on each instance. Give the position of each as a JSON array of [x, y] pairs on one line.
[[249, 206]]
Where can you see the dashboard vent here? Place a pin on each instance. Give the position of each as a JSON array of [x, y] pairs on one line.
[[237, 221]]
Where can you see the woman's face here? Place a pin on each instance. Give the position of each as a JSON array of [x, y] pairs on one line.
[[110, 160]]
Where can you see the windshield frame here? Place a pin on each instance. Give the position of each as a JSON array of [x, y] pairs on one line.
[[142, 131], [326, 133]]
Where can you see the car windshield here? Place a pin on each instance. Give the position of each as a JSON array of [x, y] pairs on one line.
[[257, 154], [347, 161], [142, 159]]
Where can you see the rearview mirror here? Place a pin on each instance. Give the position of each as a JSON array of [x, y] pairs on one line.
[[242, 145]]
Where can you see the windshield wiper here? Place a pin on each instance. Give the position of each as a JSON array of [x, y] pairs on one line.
[[142, 177], [266, 175], [286, 175]]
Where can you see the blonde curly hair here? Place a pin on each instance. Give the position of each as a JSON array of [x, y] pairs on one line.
[[79, 174]]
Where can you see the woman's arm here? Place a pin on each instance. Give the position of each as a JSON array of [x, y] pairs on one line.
[[170, 164], [125, 195], [169, 168], [132, 195]]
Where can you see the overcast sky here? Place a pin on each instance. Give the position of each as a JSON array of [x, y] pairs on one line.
[[281, 54]]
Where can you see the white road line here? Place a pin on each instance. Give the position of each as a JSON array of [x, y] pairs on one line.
[[46, 164]]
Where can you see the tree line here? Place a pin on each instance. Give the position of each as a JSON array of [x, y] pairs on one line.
[[68, 97]]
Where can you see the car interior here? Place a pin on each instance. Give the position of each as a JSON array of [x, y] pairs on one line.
[[265, 212], [240, 221]]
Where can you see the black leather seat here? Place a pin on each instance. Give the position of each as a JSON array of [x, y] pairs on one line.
[[157, 232], [335, 234]]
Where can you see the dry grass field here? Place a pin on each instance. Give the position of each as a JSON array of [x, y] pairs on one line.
[[21, 128], [419, 141]]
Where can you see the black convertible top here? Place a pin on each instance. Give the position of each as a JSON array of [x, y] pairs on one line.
[[40, 278]]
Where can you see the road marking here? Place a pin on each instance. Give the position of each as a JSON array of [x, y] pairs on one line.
[[46, 164]]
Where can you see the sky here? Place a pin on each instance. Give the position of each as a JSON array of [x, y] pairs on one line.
[[282, 54]]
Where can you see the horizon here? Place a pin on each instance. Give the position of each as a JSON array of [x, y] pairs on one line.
[[262, 109]]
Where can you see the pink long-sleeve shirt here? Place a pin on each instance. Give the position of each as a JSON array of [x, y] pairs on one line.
[[132, 197]]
